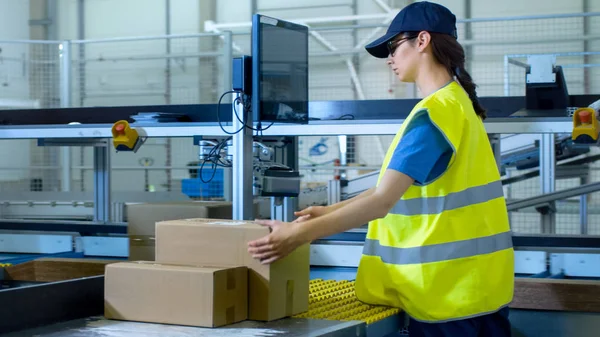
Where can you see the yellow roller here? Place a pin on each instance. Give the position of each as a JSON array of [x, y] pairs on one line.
[[336, 300]]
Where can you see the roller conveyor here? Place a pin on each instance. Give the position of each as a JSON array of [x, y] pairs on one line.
[[336, 300]]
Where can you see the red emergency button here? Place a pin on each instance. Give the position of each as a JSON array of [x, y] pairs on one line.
[[585, 117], [120, 128]]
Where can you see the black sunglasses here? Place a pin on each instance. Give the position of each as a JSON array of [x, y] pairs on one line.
[[394, 44]]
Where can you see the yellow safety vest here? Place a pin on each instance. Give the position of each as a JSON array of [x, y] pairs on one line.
[[444, 252]]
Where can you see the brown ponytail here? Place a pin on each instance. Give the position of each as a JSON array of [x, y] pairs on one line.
[[451, 54]]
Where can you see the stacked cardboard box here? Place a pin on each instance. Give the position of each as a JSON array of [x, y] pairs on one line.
[[183, 286], [275, 291], [55, 269], [176, 294], [142, 219]]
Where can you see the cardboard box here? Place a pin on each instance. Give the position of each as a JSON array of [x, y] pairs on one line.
[[55, 269], [142, 219], [275, 291], [556, 295], [176, 294]]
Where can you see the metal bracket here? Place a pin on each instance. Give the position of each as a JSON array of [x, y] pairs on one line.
[[333, 192], [242, 197], [541, 69], [282, 209], [549, 208]]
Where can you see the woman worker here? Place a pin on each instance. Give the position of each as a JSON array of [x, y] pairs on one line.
[[438, 244]]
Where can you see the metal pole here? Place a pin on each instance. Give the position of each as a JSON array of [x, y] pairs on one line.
[[82, 78], [468, 35], [227, 183], [282, 209], [547, 179], [496, 149], [101, 183], [65, 73], [65, 102], [506, 77], [343, 142], [242, 166], [586, 47], [227, 85], [227, 62], [168, 92], [52, 17], [583, 208], [349, 152], [509, 195], [81, 60]]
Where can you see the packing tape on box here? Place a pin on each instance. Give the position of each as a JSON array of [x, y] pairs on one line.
[[289, 298], [224, 222], [230, 279], [230, 269], [142, 240], [230, 315]]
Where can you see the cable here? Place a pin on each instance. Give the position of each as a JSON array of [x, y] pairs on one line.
[[219, 160], [246, 102], [214, 171], [215, 158], [219, 113], [214, 168]]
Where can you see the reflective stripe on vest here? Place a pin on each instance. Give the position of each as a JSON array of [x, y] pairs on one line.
[[436, 205], [439, 252]]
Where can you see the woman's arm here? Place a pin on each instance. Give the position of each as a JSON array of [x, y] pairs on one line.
[[317, 211], [285, 237], [351, 200], [373, 206]]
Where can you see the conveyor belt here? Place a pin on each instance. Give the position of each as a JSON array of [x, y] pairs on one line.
[[333, 311], [100, 327]]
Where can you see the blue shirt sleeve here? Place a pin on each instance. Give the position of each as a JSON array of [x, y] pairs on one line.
[[423, 152]]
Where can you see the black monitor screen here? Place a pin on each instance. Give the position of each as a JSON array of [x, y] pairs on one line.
[[280, 71]]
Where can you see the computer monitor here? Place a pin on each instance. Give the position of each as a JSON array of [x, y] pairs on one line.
[[279, 71]]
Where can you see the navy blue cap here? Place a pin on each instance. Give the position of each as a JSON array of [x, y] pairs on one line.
[[416, 17]]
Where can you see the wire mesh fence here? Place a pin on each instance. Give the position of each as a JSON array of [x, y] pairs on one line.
[[337, 54], [30, 78], [187, 69], [30, 74], [192, 69], [341, 69]]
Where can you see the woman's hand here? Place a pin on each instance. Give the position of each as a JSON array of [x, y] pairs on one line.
[[311, 213], [283, 239]]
